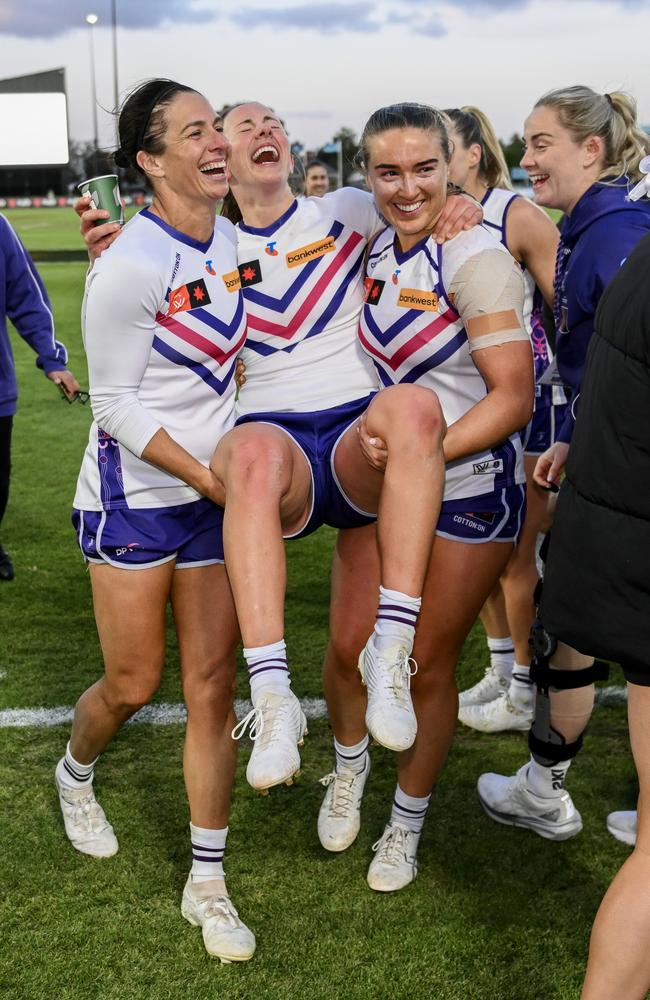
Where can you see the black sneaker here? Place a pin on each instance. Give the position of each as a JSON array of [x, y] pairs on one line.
[[6, 565]]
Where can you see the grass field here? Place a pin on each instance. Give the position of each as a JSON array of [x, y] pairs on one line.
[[49, 228], [495, 914]]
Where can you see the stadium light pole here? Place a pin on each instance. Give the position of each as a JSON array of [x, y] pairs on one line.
[[91, 21], [116, 89]]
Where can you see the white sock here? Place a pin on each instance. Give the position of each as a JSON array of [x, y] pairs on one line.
[[208, 848], [522, 690], [267, 668], [351, 758], [396, 617], [409, 810], [502, 655], [547, 781], [72, 774]]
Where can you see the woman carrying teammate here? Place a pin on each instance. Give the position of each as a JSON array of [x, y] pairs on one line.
[[447, 317], [162, 332], [499, 702], [582, 153]]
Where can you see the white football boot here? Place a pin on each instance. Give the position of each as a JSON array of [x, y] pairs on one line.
[[277, 727], [509, 800], [395, 862], [622, 825], [207, 905], [339, 818], [390, 718], [490, 686], [498, 716], [85, 822]]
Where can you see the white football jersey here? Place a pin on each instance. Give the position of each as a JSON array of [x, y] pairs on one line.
[[303, 288], [496, 203], [163, 323], [413, 333]]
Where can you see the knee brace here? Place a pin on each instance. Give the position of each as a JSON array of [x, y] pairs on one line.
[[546, 744]]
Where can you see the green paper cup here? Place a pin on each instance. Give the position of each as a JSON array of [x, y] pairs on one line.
[[104, 193]]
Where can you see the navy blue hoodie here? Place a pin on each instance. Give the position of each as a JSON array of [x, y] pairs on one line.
[[24, 300], [598, 236]]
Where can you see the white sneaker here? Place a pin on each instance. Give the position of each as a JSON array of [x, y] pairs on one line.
[[490, 686], [395, 863], [208, 905], [497, 716], [390, 718], [277, 727], [339, 818], [85, 822], [510, 801], [622, 825]]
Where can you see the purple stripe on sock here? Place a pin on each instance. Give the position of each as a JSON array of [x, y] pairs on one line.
[[347, 756], [262, 670], [201, 857], [392, 618], [267, 659], [398, 607], [413, 812], [202, 847], [523, 679]]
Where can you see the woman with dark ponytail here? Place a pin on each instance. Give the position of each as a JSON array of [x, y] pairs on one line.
[[162, 330]]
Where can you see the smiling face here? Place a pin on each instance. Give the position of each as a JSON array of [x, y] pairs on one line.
[[317, 182], [193, 164], [561, 169], [260, 146], [407, 174]]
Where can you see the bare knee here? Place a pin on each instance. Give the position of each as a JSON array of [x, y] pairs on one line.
[[258, 465], [210, 686], [410, 413], [128, 694]]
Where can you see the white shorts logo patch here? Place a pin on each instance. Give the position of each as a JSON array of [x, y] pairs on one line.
[[488, 468]]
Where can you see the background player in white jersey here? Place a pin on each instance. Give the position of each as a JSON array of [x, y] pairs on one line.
[[498, 702], [449, 317], [162, 332]]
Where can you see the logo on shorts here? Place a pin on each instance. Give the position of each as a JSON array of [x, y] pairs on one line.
[[250, 273], [465, 520], [123, 549], [311, 252], [488, 468], [414, 298], [210, 268], [270, 249], [232, 281], [189, 296], [374, 288]]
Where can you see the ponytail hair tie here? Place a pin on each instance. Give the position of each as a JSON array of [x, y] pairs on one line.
[[608, 98]]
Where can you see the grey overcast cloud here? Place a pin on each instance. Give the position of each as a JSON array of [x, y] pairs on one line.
[[324, 65]]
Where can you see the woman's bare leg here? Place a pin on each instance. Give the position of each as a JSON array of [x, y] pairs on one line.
[[619, 960]]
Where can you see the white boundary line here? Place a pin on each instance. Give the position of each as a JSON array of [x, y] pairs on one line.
[[172, 714]]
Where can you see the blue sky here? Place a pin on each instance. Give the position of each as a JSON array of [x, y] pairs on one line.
[[326, 64]]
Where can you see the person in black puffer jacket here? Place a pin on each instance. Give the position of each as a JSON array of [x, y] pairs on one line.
[[597, 585]]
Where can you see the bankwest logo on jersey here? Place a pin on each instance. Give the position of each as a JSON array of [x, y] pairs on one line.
[[250, 273], [189, 296], [311, 252], [414, 298], [374, 287], [232, 281]]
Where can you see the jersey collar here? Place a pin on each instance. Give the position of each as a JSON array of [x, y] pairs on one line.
[[176, 234], [269, 230]]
